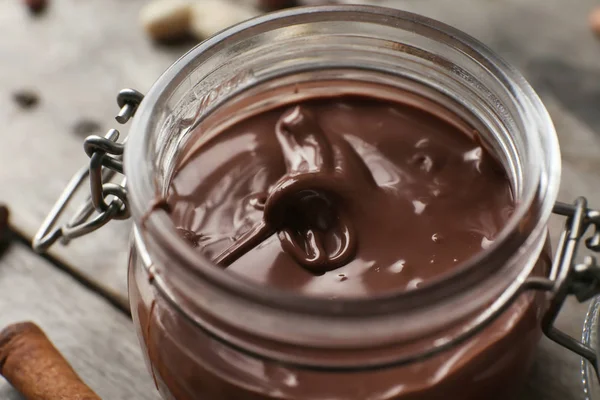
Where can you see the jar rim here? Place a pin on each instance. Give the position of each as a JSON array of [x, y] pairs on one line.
[[160, 228]]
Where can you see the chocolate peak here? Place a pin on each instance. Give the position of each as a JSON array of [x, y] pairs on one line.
[[388, 194], [306, 207]]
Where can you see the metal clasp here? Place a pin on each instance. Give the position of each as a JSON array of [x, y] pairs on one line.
[[108, 200], [569, 278]]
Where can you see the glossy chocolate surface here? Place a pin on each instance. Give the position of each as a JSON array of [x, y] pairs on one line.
[[342, 197], [338, 196]]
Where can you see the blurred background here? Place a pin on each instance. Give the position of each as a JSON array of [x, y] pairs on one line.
[[62, 65]]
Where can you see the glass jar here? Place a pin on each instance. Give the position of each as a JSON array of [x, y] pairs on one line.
[[222, 338], [212, 335]]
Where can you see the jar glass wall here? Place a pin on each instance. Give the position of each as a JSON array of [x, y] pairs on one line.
[[209, 334], [188, 362], [590, 337]]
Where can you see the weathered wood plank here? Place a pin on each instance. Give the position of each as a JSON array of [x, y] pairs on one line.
[[97, 339], [77, 57], [78, 66]]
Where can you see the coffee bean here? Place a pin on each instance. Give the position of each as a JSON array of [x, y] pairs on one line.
[[36, 6], [26, 99]]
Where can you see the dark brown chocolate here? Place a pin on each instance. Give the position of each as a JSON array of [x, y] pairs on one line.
[[404, 193], [365, 195]]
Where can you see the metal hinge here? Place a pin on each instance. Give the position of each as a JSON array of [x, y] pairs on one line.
[[567, 277], [108, 200]]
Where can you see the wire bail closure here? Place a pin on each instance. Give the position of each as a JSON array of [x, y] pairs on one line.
[[570, 278], [109, 201]]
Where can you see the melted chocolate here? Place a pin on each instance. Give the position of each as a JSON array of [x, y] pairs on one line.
[[307, 207], [342, 196]]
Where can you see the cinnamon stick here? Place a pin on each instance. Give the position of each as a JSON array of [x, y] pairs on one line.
[[31, 363]]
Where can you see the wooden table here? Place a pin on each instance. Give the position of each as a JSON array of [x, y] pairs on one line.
[[81, 53]]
